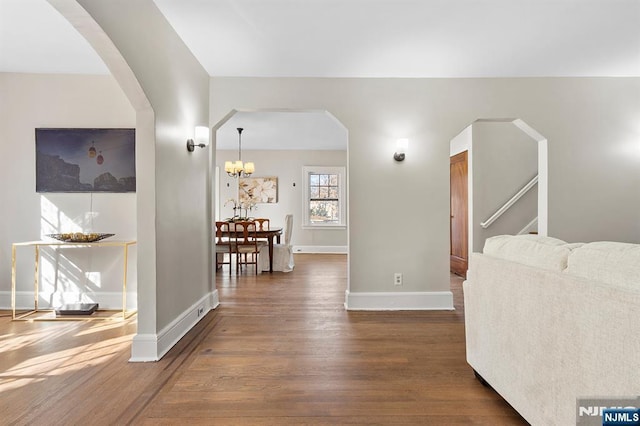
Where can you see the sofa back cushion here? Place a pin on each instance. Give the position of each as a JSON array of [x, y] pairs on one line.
[[613, 263], [533, 250]]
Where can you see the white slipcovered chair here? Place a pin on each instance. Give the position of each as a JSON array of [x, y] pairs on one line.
[[282, 253]]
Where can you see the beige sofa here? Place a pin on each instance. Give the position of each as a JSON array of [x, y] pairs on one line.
[[549, 322]]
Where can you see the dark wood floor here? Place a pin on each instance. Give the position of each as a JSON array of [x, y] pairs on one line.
[[280, 350]]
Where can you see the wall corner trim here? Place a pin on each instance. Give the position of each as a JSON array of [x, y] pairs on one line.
[[144, 348], [399, 301]]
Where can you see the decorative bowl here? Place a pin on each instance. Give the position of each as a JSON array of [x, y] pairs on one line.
[[79, 237]]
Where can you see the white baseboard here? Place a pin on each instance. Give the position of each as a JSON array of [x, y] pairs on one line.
[[152, 347], [144, 348], [320, 249], [106, 300], [399, 301]]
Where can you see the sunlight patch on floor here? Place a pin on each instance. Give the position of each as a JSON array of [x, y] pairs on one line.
[[40, 368]]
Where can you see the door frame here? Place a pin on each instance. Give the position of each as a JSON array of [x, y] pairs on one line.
[[459, 265]]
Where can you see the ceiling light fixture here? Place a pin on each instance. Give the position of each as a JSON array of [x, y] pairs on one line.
[[237, 168]]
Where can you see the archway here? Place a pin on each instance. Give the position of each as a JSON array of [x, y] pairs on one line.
[[476, 227], [164, 168], [280, 142]]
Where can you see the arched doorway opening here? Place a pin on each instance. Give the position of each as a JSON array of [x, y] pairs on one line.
[[281, 143], [494, 192]]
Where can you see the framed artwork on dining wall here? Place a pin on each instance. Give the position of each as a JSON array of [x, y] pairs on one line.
[[258, 190]]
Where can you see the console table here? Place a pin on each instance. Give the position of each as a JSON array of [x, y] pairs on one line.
[[36, 245]]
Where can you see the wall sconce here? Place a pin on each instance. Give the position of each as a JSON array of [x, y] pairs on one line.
[[201, 138], [401, 148]]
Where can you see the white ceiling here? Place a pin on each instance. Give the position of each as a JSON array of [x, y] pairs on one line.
[[283, 130], [35, 38], [410, 38], [357, 38]]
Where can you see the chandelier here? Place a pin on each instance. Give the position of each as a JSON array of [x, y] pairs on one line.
[[237, 168]]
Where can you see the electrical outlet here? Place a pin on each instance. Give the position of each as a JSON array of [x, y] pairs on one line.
[[397, 278]]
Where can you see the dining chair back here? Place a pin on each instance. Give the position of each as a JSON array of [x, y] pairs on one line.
[[224, 245], [247, 245], [263, 223]]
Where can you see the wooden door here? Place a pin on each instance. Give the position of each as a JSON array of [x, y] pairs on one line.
[[459, 224]]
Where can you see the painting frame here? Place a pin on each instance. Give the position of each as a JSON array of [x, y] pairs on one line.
[[85, 160], [258, 190]]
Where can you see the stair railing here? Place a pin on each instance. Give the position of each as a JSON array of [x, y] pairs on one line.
[[487, 223]]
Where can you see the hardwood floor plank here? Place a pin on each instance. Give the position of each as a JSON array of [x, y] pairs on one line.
[[279, 350]]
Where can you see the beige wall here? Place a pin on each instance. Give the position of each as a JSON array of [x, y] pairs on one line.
[[594, 163], [30, 101], [174, 217], [591, 125]]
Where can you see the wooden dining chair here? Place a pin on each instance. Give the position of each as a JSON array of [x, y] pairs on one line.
[[224, 245], [263, 223], [246, 244]]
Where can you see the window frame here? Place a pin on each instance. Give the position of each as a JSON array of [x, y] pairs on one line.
[[342, 191]]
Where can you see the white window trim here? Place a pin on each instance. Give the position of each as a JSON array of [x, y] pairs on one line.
[[342, 183]]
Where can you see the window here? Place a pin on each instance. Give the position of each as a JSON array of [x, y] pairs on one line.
[[324, 196]]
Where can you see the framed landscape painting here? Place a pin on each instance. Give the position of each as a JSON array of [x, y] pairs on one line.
[[85, 160], [258, 190]]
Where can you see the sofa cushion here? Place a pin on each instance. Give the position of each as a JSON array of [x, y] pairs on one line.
[[533, 250], [609, 262]]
